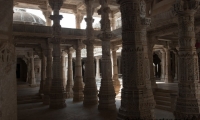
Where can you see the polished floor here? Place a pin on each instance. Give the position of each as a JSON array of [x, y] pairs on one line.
[[75, 111]]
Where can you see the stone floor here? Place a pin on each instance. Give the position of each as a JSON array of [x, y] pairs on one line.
[[75, 111]]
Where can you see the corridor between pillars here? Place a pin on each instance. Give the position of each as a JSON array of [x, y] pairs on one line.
[[188, 101], [137, 101], [106, 92], [90, 89], [57, 94]]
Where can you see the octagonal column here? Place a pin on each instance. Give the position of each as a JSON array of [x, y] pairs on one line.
[[47, 83], [115, 78], [188, 101], [57, 94], [106, 92], [69, 85], [78, 81], [97, 68], [137, 101], [90, 89], [43, 73]]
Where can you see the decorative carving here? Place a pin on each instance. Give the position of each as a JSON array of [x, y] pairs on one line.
[[137, 97]]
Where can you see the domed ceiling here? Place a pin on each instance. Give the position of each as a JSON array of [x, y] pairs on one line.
[[20, 16]]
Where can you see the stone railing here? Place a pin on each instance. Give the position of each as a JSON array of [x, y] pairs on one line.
[[46, 31]]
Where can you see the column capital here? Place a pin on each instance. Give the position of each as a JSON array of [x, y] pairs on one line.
[[114, 48], [89, 2], [183, 6], [55, 4]]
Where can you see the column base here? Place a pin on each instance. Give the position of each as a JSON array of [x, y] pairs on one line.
[[78, 89], [78, 96], [90, 97], [69, 94], [46, 100], [57, 100]]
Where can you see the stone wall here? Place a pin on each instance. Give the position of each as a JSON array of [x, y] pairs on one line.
[[8, 99]]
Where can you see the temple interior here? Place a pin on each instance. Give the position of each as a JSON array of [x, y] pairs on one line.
[[133, 60]]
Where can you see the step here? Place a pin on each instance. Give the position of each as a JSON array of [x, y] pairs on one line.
[[163, 90], [162, 94], [161, 107], [164, 103], [162, 98], [29, 101], [28, 97]]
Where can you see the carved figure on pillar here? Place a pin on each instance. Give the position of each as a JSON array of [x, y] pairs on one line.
[[137, 101], [188, 101], [90, 89], [106, 92], [78, 81], [57, 94]]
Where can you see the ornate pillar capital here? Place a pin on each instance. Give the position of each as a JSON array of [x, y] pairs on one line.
[[55, 4], [186, 6]]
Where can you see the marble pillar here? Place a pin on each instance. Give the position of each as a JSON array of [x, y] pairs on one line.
[[31, 72], [106, 92], [8, 85], [113, 21], [115, 77], [47, 14], [48, 80], [137, 101], [78, 80], [57, 92], [163, 66], [63, 62], [70, 83], [152, 68], [37, 69], [97, 68], [43, 73], [188, 100], [168, 75], [79, 18], [90, 89]]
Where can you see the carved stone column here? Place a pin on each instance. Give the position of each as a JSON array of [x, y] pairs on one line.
[[69, 86], [47, 14], [8, 85], [90, 89], [152, 77], [79, 18], [43, 73], [168, 75], [115, 78], [106, 92], [78, 81], [188, 101], [113, 21], [97, 68], [57, 94], [31, 71], [137, 98], [48, 80]]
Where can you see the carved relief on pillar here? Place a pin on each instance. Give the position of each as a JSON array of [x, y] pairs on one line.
[[187, 105], [137, 96]]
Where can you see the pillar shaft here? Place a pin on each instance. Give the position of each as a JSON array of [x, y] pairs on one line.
[[90, 89], [69, 75], [58, 94], [79, 18], [137, 98], [116, 81], [168, 75], [43, 74], [97, 68], [78, 81], [107, 92], [188, 101]]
